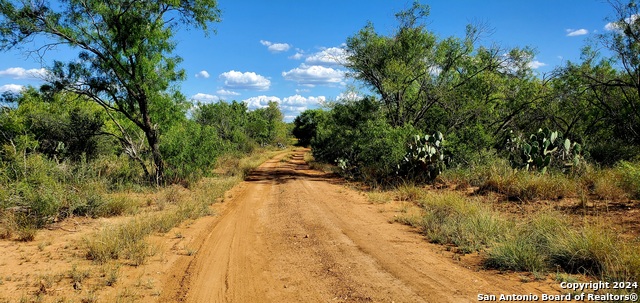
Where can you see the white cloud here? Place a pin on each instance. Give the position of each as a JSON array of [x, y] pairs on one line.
[[313, 75], [21, 73], [260, 101], [298, 100], [275, 47], [328, 57], [297, 56], [202, 74], [576, 32], [225, 92], [14, 88], [248, 80], [348, 96], [205, 98], [290, 106], [536, 64], [614, 25]]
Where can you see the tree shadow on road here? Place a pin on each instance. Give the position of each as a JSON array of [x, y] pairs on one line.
[[293, 169]]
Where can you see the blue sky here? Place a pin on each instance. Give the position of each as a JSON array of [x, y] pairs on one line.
[[286, 51]]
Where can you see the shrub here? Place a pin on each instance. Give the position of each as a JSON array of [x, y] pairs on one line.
[[306, 125], [190, 151], [362, 143], [119, 171], [630, 177]]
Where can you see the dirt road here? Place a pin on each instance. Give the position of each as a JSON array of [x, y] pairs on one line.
[[290, 234]]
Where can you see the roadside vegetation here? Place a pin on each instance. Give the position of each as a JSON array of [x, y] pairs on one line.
[[59, 159], [533, 172]]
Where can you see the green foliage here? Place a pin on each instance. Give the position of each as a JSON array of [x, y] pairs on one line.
[[265, 125], [190, 151], [230, 120], [65, 125], [124, 61], [306, 125], [361, 142]]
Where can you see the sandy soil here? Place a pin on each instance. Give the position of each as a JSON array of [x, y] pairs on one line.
[[290, 234]]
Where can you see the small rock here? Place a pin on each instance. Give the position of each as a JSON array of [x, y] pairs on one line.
[[306, 236]]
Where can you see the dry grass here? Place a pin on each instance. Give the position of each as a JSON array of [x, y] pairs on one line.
[[530, 186], [409, 192], [606, 186], [379, 197]]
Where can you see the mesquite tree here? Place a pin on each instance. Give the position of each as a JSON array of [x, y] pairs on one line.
[[124, 56]]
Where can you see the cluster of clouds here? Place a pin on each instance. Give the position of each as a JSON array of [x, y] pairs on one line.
[[13, 88], [611, 26], [19, 73], [323, 67], [290, 106]]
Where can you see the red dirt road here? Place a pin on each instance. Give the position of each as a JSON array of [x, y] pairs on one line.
[[291, 234]]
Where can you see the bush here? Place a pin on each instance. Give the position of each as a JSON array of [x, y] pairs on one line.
[[630, 177], [362, 143], [306, 125], [119, 171], [190, 151]]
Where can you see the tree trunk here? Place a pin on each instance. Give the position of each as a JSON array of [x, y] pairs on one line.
[[152, 139], [151, 132]]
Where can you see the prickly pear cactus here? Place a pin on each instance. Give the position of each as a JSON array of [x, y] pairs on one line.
[[424, 157], [542, 150]]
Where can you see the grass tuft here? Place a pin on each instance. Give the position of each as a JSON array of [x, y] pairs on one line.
[[409, 192], [451, 218]]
